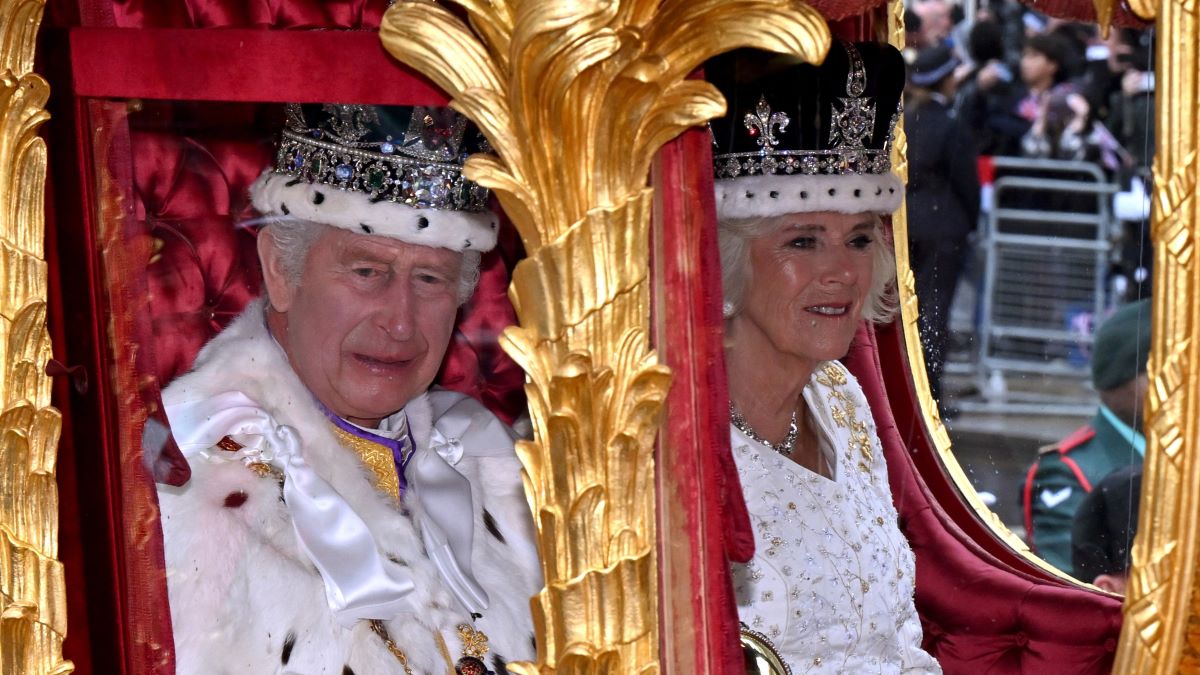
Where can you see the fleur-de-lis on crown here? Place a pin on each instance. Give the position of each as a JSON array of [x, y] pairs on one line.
[[763, 123]]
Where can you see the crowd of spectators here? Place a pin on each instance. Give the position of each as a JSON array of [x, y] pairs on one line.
[[1031, 86], [1012, 82]]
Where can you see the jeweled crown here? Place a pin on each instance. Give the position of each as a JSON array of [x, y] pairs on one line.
[[411, 156], [807, 120]]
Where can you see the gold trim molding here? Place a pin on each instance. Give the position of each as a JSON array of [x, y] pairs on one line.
[[1161, 629], [576, 98], [33, 621], [1161, 633], [909, 313]]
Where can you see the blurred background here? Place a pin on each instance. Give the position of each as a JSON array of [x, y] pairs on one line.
[[1030, 141]]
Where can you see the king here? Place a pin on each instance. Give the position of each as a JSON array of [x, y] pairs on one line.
[[341, 516]]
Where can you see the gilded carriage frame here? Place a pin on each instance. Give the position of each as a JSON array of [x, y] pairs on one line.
[[592, 373]]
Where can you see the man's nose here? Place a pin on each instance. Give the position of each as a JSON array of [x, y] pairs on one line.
[[397, 312]]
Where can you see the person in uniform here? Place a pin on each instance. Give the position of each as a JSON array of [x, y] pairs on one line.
[[1065, 472], [340, 518], [943, 200], [1103, 529]]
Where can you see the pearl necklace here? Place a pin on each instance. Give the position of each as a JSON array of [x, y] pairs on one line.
[[784, 447]]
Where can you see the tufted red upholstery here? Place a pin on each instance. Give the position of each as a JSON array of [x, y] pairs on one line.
[[981, 614]]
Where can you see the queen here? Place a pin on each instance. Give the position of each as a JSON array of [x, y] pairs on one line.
[[803, 180]]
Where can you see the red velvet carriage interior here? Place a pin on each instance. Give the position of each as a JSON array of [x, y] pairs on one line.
[[158, 129]]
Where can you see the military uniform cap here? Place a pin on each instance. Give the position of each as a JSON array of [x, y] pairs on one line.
[[1122, 346]]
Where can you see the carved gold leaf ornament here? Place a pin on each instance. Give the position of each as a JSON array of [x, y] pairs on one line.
[[33, 617], [576, 97], [1161, 633]]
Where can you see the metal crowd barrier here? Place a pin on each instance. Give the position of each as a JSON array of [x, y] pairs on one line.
[[1046, 247]]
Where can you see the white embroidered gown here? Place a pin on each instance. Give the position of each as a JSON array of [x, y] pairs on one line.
[[831, 582]]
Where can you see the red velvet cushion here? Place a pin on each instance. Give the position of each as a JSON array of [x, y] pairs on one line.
[[980, 614]]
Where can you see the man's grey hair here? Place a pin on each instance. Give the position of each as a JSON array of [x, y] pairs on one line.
[[293, 239], [734, 237]]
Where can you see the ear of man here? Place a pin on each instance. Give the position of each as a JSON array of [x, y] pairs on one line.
[[1113, 583], [275, 277]]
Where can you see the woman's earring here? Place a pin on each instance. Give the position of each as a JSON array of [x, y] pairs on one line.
[[727, 309]]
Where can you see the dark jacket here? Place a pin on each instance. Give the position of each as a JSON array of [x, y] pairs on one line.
[[1060, 478], [943, 179], [992, 115]]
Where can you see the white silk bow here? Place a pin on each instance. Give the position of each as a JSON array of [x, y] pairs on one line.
[[360, 581]]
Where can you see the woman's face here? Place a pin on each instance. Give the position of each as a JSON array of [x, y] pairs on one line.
[[810, 275]]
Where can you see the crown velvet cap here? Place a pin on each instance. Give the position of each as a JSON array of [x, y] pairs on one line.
[[802, 138], [393, 171]]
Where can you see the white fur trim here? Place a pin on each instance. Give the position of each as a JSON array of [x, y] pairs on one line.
[[776, 195], [279, 194]]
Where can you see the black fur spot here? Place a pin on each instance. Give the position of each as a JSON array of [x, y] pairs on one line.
[[858, 193], [490, 523], [396, 559], [892, 190], [493, 225], [422, 223], [366, 228], [283, 208], [347, 670], [749, 194], [468, 244], [533, 641], [774, 194], [803, 194], [288, 643], [292, 183], [318, 197], [878, 191], [234, 500], [499, 665], [832, 192]]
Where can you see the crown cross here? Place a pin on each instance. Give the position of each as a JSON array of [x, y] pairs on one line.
[[763, 123], [852, 118], [349, 123], [852, 122]]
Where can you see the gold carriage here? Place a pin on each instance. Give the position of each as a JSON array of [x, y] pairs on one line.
[[619, 331]]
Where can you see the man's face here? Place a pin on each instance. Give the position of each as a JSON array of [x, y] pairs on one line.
[[1127, 401], [369, 321], [935, 21]]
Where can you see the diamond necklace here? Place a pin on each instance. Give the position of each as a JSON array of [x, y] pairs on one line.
[[784, 447]]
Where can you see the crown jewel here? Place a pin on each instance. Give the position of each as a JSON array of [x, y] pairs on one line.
[[349, 149], [762, 122], [851, 130]]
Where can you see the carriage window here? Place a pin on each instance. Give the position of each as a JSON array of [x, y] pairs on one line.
[[1029, 149]]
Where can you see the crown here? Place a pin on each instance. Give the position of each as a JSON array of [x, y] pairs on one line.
[[840, 143], [350, 148]]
